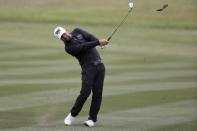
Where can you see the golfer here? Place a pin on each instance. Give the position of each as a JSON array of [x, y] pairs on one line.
[[81, 45]]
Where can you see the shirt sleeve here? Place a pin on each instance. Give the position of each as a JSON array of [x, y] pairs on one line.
[[88, 36], [75, 49]]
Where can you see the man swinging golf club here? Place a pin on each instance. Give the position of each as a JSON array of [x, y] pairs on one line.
[[81, 45]]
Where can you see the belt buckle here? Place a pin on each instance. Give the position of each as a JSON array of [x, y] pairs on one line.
[[96, 62]]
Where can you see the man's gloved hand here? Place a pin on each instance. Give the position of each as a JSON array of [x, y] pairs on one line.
[[103, 42]]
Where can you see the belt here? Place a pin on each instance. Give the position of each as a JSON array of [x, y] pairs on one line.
[[94, 63]]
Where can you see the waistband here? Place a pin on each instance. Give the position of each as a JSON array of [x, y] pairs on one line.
[[93, 63]]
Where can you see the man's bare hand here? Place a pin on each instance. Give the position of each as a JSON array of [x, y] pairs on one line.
[[103, 42]]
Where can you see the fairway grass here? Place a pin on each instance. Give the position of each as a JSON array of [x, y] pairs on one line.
[[151, 67]]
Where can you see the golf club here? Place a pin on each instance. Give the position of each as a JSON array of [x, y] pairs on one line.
[[121, 23], [164, 7]]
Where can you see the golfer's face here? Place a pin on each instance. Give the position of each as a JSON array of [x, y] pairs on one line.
[[66, 36]]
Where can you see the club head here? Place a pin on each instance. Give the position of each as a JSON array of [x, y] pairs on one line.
[[130, 5], [164, 7], [159, 10]]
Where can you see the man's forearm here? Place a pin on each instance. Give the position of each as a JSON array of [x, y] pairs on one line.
[[76, 49], [91, 44]]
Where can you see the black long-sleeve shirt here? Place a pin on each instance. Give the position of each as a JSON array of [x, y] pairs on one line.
[[82, 46]]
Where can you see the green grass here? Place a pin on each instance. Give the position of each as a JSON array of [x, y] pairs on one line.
[[188, 126], [151, 67], [144, 99]]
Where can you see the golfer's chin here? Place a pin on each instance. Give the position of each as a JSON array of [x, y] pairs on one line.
[[68, 38]]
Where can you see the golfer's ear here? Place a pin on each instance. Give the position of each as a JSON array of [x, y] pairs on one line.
[[62, 37]]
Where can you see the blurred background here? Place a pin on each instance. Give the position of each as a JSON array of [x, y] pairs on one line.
[[151, 67]]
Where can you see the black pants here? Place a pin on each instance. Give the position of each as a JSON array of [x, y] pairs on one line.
[[92, 80]]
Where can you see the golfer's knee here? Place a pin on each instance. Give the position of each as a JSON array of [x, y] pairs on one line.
[[85, 93], [97, 93], [97, 97]]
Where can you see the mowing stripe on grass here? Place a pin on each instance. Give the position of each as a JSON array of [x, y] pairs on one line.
[[152, 118], [183, 126], [125, 76], [115, 102]]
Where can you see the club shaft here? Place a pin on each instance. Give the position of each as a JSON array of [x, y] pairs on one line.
[[122, 22], [118, 26]]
